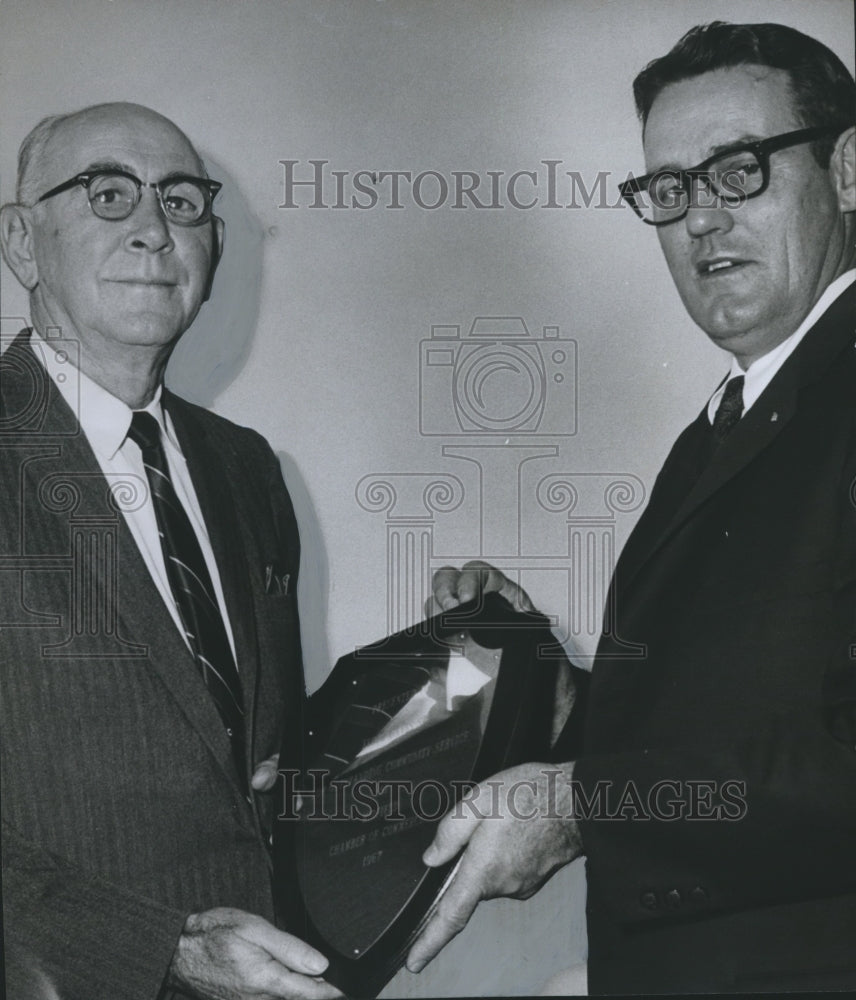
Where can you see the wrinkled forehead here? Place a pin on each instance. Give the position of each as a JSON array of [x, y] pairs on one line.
[[694, 118], [141, 141]]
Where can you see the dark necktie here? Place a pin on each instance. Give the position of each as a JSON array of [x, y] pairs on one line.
[[191, 587], [730, 409]]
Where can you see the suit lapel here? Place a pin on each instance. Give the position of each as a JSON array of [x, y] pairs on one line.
[[143, 623], [675, 481], [29, 401], [214, 491], [681, 497]]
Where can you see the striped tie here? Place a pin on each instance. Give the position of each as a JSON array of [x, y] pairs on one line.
[[191, 587]]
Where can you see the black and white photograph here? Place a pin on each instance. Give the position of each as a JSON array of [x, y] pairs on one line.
[[427, 498]]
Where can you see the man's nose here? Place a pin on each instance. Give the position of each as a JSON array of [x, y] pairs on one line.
[[707, 213], [149, 229]]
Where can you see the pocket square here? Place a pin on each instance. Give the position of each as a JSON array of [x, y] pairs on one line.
[[276, 582]]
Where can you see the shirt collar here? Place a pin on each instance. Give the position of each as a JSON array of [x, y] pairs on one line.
[[760, 373], [104, 418]]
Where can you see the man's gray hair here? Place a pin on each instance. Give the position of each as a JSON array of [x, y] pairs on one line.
[[29, 156]]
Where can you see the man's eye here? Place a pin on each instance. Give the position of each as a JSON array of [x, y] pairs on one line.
[[108, 196], [745, 169], [179, 205], [184, 202], [743, 164], [112, 196], [740, 174], [666, 189]]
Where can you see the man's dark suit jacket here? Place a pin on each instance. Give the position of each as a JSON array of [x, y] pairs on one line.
[[122, 808], [740, 583]]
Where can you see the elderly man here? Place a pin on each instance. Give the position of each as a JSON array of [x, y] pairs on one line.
[[713, 796], [148, 556]]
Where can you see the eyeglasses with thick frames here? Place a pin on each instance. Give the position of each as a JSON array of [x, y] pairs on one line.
[[114, 194], [728, 178]]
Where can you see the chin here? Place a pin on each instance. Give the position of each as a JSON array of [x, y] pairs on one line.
[[745, 340], [724, 322], [148, 331]]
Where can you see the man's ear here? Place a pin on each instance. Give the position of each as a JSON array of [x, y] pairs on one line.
[[842, 167], [16, 240], [218, 228]]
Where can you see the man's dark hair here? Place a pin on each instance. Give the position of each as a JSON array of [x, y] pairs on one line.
[[823, 90]]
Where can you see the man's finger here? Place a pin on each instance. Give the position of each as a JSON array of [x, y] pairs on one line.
[[264, 776], [453, 912], [288, 950], [516, 596], [445, 588], [479, 577], [453, 834]]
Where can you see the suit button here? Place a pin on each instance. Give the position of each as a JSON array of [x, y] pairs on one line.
[[699, 894], [673, 899], [649, 900]]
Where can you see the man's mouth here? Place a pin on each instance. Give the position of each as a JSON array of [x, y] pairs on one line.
[[718, 265], [154, 282]]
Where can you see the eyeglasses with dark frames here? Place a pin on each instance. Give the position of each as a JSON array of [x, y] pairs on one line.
[[114, 194], [728, 178]]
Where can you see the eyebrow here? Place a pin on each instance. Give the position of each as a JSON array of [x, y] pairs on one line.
[[724, 147], [108, 165]]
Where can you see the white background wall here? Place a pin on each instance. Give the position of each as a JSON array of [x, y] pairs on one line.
[[313, 334]]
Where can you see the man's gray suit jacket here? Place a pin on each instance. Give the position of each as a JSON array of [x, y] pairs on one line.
[[122, 808]]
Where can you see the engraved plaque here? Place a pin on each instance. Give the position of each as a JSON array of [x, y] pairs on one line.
[[399, 732]]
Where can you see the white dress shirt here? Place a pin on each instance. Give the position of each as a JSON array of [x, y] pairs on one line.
[[105, 420], [760, 373]]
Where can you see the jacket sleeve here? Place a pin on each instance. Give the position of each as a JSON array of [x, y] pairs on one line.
[[72, 935]]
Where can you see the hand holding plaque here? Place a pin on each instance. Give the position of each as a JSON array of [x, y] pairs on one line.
[[400, 731], [519, 830]]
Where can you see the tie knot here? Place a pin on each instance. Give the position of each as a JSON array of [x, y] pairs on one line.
[[730, 408], [144, 430], [734, 388]]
